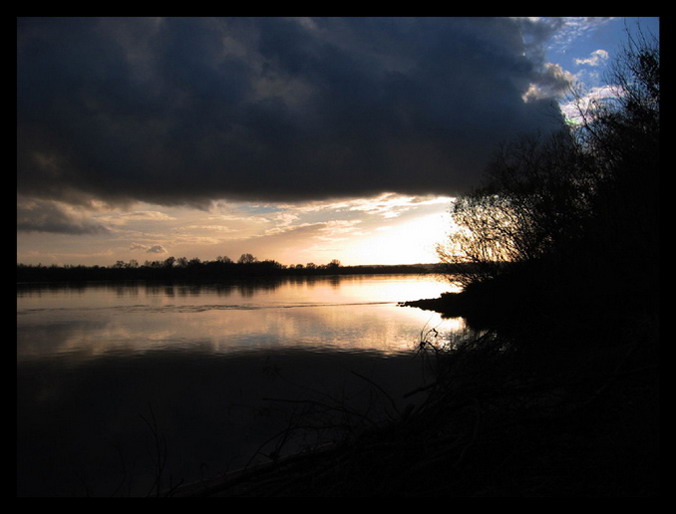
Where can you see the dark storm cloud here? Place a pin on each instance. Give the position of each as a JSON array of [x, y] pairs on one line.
[[190, 109]]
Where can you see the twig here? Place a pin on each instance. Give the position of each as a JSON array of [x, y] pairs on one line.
[[160, 450], [377, 386]]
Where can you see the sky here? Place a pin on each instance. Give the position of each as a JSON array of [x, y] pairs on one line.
[[293, 139]]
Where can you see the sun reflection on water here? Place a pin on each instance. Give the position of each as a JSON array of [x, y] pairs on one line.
[[355, 313]]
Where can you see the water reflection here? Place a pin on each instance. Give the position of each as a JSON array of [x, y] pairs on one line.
[[341, 313], [94, 362]]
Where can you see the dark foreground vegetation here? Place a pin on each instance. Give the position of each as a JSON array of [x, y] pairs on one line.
[[556, 393]]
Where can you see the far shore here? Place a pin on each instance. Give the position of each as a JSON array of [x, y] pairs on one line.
[[210, 271]]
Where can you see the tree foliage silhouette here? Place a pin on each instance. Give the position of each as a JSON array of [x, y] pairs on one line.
[[542, 197], [566, 218]]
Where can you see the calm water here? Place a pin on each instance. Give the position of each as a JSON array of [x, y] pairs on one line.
[[122, 388]]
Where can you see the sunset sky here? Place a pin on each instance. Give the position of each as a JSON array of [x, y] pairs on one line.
[[294, 139]]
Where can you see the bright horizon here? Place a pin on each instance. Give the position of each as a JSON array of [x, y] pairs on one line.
[[384, 229]]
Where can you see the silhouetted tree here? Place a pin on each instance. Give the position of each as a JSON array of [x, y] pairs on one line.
[[587, 193], [246, 258], [624, 137], [536, 193]]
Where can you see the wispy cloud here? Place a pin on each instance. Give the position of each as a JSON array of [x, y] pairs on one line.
[[597, 58], [569, 30], [575, 109], [147, 248], [52, 216]]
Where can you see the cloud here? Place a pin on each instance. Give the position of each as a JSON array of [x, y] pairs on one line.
[[50, 216], [568, 30], [552, 82], [188, 110], [597, 58], [581, 105], [147, 248]]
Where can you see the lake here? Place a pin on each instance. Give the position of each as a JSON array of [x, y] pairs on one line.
[[132, 389]]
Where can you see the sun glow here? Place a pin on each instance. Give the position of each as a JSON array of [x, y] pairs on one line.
[[409, 242], [388, 228]]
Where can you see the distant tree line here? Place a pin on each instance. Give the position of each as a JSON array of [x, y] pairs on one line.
[[183, 269]]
